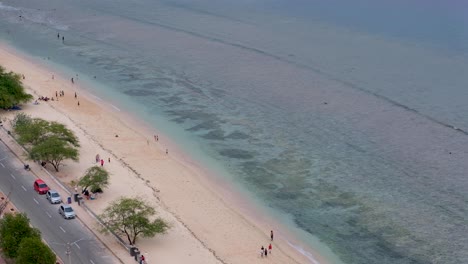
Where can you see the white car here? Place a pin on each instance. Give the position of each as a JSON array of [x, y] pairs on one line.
[[53, 197], [67, 211]]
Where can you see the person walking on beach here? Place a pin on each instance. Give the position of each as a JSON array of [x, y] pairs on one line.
[[266, 253], [78, 103], [102, 162], [72, 80], [108, 160], [98, 158], [56, 94], [271, 235], [142, 259], [262, 251], [75, 95], [167, 151], [270, 248]]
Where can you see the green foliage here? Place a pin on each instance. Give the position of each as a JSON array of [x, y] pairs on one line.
[[33, 250], [51, 142], [95, 177], [11, 90], [130, 217], [13, 229], [53, 150]]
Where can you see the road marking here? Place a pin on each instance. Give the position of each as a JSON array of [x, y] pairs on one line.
[[2, 165], [13, 176], [92, 262], [62, 229], [77, 246], [36, 201], [48, 215], [24, 188]]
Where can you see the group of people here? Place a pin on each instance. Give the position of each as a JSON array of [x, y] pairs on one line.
[[264, 251], [61, 93]]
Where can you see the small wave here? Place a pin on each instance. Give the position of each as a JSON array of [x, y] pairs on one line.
[[8, 8], [115, 107], [304, 252]]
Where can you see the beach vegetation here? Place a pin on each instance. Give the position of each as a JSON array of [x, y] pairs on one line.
[[33, 250], [13, 229], [96, 178], [131, 217], [49, 142], [12, 91]]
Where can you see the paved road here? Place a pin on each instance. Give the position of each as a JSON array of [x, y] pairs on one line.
[[85, 248]]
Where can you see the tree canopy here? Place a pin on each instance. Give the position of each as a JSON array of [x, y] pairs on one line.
[[51, 142], [33, 250], [13, 229], [95, 178], [131, 217], [11, 90]]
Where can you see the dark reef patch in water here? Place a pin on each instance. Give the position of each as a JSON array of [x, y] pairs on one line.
[[216, 134], [236, 154], [237, 135]]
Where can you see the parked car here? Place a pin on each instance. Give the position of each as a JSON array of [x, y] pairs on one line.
[[53, 197], [66, 211], [40, 186]]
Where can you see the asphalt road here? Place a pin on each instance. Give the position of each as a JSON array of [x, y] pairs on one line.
[[56, 231]]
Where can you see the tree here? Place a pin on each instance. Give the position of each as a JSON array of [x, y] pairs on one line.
[[130, 217], [53, 150], [13, 229], [46, 141], [11, 90], [33, 250], [96, 178], [32, 131]]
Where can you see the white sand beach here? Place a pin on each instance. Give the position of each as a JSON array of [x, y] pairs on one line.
[[210, 224]]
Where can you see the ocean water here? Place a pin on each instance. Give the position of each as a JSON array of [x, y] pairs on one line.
[[348, 117]]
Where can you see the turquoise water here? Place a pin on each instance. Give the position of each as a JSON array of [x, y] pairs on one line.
[[349, 117]]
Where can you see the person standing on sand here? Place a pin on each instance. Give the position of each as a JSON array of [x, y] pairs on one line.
[[266, 253], [102, 162], [98, 158], [56, 94], [78, 103], [262, 251], [108, 160], [75, 95], [270, 248], [142, 259], [72, 80], [167, 151], [271, 235]]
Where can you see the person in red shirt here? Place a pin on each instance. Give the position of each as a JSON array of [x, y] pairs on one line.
[[269, 248], [142, 259]]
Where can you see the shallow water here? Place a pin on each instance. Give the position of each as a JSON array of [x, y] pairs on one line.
[[349, 118]]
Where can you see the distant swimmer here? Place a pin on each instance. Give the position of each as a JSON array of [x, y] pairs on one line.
[[58, 35], [63, 39], [73, 81]]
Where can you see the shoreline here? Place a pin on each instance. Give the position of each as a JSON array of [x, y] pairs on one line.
[[213, 193]]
